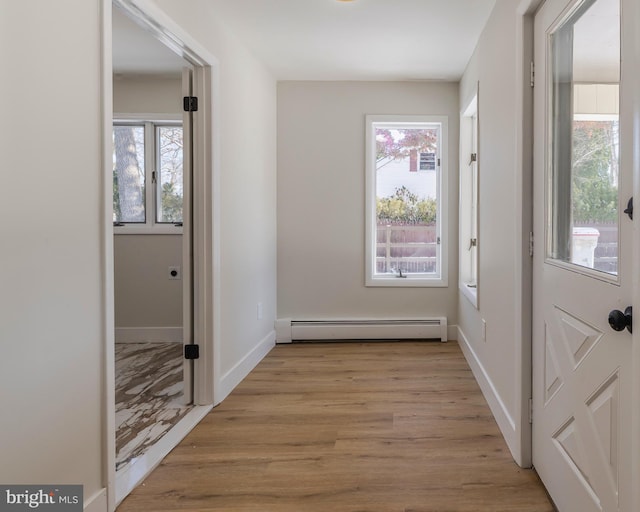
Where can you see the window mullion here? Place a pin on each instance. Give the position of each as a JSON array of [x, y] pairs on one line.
[[150, 170]]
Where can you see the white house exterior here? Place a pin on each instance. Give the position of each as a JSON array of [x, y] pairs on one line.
[[397, 173]]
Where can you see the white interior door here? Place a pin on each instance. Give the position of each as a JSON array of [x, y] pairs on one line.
[[582, 263], [187, 236]]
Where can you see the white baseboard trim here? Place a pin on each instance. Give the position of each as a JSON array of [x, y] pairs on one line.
[[242, 368], [133, 474], [496, 404], [97, 502], [148, 334]]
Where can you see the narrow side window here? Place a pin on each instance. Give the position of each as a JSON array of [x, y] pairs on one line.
[[468, 212]]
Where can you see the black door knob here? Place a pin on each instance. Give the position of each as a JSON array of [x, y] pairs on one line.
[[619, 320]]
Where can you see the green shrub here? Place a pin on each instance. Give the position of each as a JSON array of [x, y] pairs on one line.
[[404, 207]]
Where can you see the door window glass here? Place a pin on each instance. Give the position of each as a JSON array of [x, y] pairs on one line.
[[585, 134]]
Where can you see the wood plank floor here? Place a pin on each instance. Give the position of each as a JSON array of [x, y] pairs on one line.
[[379, 427]]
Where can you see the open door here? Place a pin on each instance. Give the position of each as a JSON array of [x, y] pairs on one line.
[[191, 351], [584, 256]]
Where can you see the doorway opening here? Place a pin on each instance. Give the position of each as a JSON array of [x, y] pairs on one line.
[[149, 206], [163, 206]]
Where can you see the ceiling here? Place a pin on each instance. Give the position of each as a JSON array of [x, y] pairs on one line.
[[334, 40], [137, 52]]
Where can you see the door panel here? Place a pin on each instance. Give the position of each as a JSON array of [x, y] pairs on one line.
[[187, 239], [582, 178]]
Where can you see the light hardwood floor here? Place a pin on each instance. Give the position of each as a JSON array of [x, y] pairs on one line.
[[380, 427]]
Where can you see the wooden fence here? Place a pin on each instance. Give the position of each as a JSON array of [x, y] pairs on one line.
[[409, 248]]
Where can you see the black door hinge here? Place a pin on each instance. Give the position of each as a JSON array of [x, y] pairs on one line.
[[190, 103], [192, 351]]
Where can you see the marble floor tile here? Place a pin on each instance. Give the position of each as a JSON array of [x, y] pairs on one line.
[[148, 396]]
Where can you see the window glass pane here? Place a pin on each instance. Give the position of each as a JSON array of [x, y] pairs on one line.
[[128, 174], [585, 128], [170, 178], [406, 199]]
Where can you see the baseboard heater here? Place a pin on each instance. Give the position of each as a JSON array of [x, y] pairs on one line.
[[392, 329]]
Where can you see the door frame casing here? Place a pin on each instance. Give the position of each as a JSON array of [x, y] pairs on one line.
[[205, 205], [524, 220]]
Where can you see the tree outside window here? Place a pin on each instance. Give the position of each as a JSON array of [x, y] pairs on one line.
[[147, 173]]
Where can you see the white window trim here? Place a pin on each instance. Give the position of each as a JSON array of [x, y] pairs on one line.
[[468, 282], [150, 227], [416, 280]]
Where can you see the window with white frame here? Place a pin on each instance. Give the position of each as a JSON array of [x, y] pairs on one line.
[[406, 201], [468, 214], [147, 175]]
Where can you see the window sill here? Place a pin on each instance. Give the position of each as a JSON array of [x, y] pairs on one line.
[[406, 282], [470, 293], [169, 229]]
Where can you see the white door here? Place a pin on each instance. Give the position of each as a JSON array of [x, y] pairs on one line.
[[187, 238], [582, 261]]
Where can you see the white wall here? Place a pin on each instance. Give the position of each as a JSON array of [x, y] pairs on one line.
[[144, 295], [496, 360], [51, 291], [147, 94], [247, 131], [321, 197], [52, 299]]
